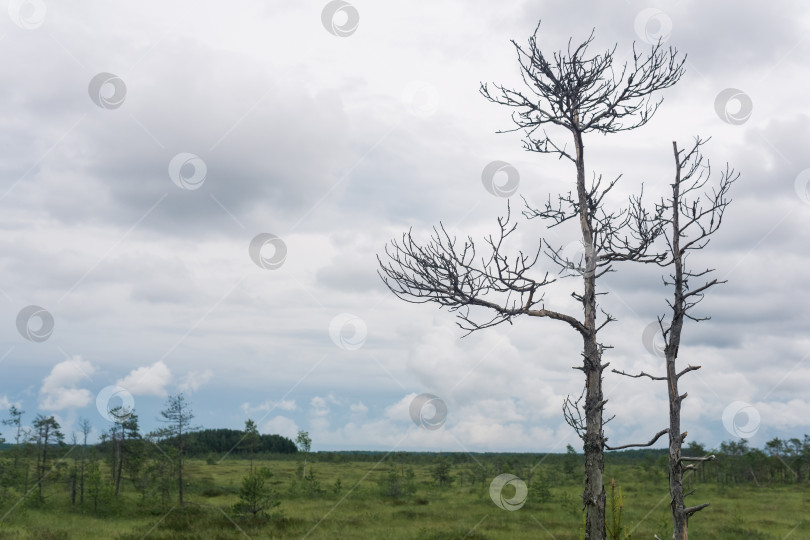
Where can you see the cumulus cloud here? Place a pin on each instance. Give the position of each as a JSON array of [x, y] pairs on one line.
[[5, 403], [59, 388], [318, 406], [784, 415], [268, 406], [147, 380], [399, 411], [358, 408], [194, 380], [281, 425], [469, 428]]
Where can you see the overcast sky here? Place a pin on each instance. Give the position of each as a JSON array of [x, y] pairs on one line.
[[145, 145]]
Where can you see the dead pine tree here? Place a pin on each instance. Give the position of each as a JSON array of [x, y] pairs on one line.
[[573, 93], [689, 218]]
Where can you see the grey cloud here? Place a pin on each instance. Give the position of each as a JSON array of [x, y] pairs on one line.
[[343, 168], [729, 36], [271, 157], [350, 272], [265, 142]]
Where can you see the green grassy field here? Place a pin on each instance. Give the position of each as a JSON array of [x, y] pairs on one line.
[[358, 510]]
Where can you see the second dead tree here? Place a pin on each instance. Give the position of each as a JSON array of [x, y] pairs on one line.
[[688, 219]]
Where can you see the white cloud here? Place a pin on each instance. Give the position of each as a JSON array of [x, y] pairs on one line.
[[470, 430], [65, 398], [288, 405], [358, 408], [281, 425], [147, 380], [318, 406], [59, 388], [781, 415], [5, 403], [194, 380], [399, 411]]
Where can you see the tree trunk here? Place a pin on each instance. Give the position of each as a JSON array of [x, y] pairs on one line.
[[81, 482], [73, 488], [594, 496], [180, 463], [41, 474], [113, 455], [85, 430], [120, 463], [679, 517]]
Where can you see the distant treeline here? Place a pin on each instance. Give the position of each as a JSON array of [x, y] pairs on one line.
[[780, 461], [229, 441], [625, 457]]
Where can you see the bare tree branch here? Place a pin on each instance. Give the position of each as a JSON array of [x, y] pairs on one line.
[[457, 277], [573, 414], [642, 374], [699, 459], [694, 509], [652, 442], [687, 370]]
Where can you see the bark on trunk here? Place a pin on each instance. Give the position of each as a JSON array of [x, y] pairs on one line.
[[679, 517], [81, 481], [594, 497], [41, 474], [180, 463], [73, 488], [120, 461]]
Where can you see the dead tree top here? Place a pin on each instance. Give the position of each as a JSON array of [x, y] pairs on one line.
[[700, 213], [584, 93], [580, 93]]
